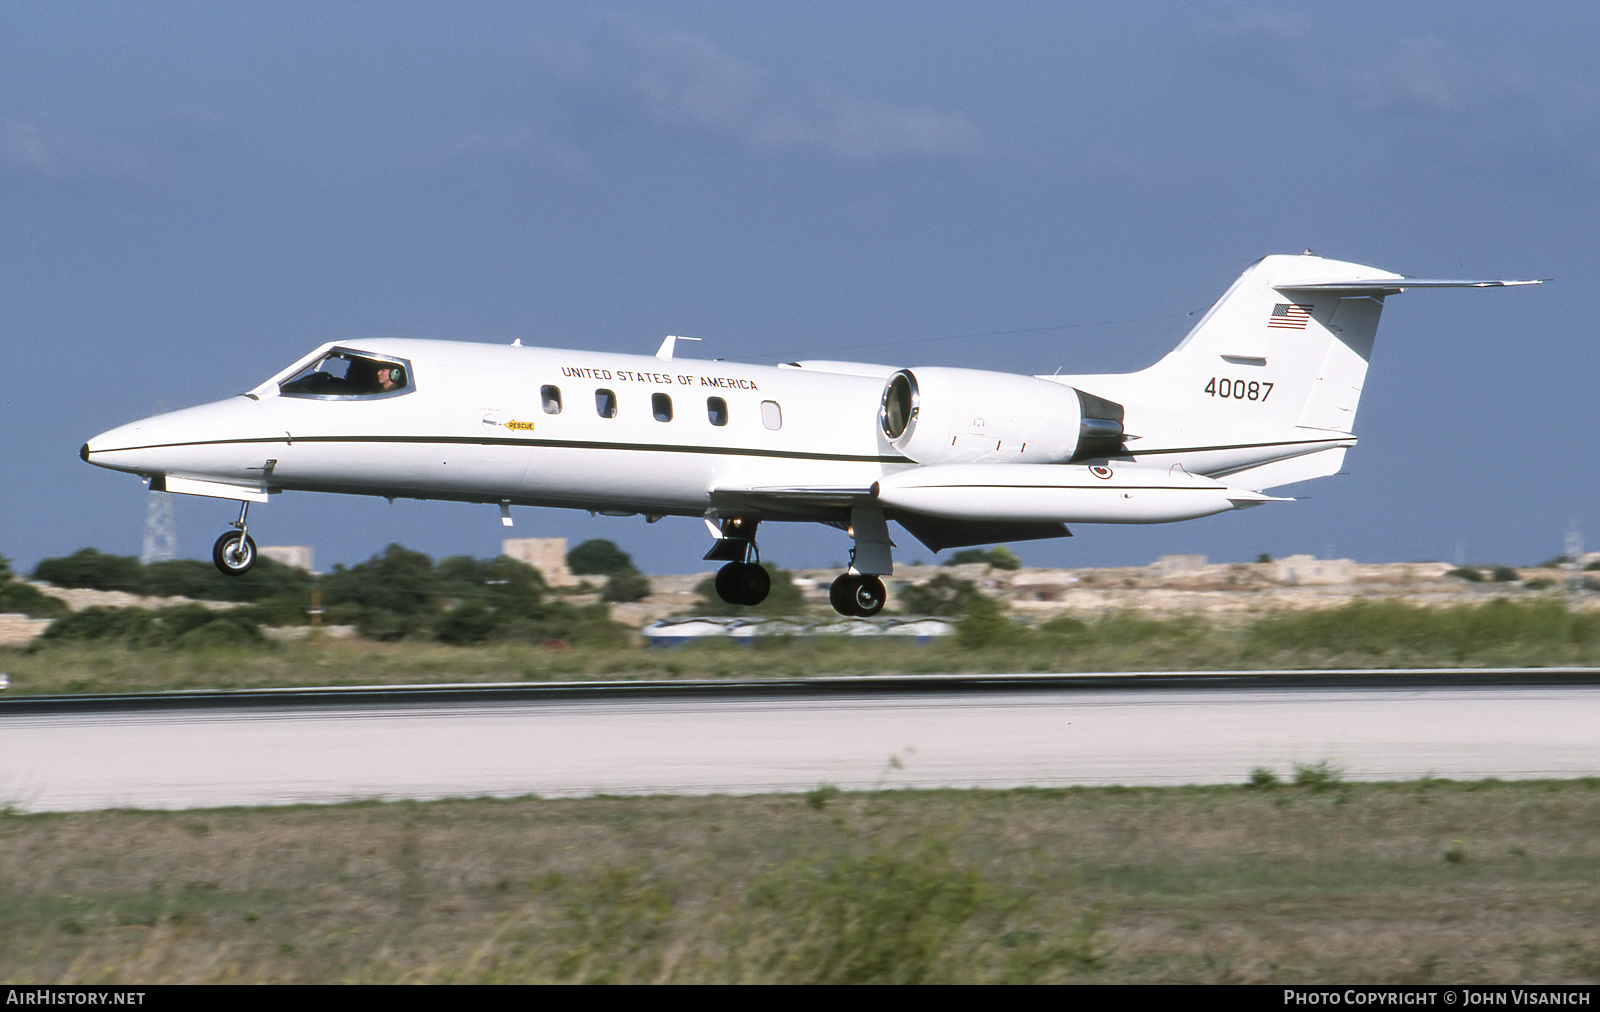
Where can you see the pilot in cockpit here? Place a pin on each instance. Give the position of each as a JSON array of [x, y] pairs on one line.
[[342, 373]]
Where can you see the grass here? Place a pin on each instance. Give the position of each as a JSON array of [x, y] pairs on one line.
[[1383, 634], [1326, 882]]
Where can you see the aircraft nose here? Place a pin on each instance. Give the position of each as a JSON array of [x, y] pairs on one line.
[[119, 449]]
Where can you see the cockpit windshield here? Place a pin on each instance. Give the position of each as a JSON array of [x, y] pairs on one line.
[[343, 373]]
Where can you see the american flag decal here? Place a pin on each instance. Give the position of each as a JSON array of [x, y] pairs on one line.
[[1290, 316]]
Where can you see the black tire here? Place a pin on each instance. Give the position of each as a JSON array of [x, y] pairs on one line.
[[869, 596], [744, 583], [727, 582], [231, 557], [842, 595], [757, 583]]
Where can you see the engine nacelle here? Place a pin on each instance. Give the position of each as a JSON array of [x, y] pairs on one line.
[[969, 416]]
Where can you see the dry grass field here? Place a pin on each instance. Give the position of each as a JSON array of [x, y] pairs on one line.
[[1359, 635], [1321, 881]]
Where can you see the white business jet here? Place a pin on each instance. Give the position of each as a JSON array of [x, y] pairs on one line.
[[1261, 393]]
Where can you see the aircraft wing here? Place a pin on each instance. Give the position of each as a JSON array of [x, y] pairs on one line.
[[937, 533], [824, 502]]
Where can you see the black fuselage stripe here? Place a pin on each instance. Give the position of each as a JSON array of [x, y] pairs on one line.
[[578, 444], [566, 444]]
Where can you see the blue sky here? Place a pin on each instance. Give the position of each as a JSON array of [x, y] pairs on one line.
[[193, 195]]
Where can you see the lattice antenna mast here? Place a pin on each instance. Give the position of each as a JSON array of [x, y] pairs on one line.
[[160, 530]]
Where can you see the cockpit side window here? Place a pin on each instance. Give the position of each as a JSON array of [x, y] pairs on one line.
[[343, 374]]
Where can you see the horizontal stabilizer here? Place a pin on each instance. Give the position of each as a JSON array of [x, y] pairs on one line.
[[1392, 286], [1288, 471]]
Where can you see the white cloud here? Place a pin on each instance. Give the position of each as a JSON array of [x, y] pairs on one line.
[[682, 79], [46, 152], [1422, 75], [541, 147], [1473, 111]]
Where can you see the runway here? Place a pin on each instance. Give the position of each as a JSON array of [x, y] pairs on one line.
[[724, 740]]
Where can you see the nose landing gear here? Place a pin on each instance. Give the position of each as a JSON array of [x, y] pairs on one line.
[[235, 552]]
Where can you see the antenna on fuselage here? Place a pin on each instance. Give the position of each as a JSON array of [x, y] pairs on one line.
[[668, 343]]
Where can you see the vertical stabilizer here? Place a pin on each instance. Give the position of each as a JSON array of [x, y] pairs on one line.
[[1292, 356]]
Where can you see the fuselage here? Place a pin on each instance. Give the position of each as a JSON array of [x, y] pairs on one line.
[[529, 426]]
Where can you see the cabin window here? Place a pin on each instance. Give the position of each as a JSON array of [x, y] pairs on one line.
[[605, 403], [717, 410], [343, 373], [771, 415], [551, 398], [661, 407]]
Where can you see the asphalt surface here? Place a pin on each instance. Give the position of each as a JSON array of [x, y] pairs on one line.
[[182, 750]]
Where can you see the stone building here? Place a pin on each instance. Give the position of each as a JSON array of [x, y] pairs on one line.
[[547, 555]]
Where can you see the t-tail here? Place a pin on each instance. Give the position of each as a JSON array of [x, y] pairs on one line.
[[1264, 389]]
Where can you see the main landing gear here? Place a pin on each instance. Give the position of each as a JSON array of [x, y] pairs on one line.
[[857, 593], [742, 580], [235, 552]]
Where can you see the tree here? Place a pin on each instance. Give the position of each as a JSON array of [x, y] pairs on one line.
[[1000, 557], [598, 557]]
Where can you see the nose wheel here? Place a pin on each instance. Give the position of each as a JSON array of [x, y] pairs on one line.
[[235, 552], [857, 595]]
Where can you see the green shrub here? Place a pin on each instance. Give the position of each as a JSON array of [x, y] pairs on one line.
[[1262, 777], [1318, 776], [467, 624], [92, 569], [942, 595], [887, 916], [985, 624], [189, 626], [31, 601], [630, 585]]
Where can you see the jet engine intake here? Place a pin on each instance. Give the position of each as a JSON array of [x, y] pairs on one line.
[[971, 416]]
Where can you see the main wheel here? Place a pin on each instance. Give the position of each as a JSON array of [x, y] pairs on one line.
[[857, 596], [234, 553], [869, 596], [842, 595], [743, 583]]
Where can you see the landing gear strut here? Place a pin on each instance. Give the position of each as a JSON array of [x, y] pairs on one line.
[[742, 580], [859, 592], [235, 552]]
